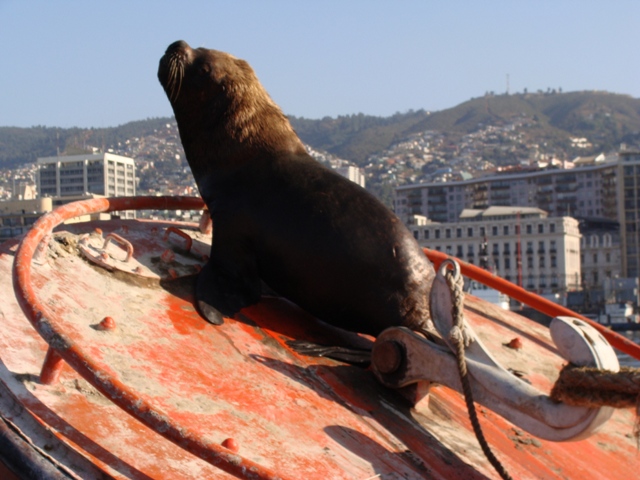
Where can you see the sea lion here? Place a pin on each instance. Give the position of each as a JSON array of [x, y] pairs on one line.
[[279, 216]]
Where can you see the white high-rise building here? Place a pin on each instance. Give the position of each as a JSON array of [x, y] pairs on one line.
[[353, 173], [77, 177]]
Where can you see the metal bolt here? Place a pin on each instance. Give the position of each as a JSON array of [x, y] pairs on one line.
[[231, 444], [515, 343], [107, 323], [387, 356]]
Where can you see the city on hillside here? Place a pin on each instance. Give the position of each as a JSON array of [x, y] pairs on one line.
[[562, 222]]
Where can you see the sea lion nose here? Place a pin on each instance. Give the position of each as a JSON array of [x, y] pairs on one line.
[[179, 46]]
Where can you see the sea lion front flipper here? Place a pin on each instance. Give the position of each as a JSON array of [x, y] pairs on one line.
[[209, 313], [222, 294]]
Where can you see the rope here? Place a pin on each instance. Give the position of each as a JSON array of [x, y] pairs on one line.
[[593, 388], [460, 339]]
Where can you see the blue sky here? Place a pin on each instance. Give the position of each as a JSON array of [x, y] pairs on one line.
[[93, 64]]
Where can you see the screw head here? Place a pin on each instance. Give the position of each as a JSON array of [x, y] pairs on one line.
[[387, 356]]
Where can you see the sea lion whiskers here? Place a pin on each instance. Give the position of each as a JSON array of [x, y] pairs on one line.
[[176, 74]]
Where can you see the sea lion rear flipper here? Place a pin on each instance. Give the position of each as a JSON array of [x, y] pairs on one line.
[[221, 294], [354, 356]]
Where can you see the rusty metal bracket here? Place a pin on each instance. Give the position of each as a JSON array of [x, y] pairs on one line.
[[188, 240], [115, 238], [176, 263], [401, 357]]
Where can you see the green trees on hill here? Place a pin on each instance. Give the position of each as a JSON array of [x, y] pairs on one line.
[[606, 119], [25, 145]]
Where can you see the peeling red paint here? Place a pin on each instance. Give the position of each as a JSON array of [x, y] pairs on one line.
[[290, 416]]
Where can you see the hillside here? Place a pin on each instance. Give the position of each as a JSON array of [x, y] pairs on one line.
[[24, 145], [605, 119], [356, 137], [600, 116], [552, 118]]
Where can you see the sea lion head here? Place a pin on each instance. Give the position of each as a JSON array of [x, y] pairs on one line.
[[214, 92], [200, 74]]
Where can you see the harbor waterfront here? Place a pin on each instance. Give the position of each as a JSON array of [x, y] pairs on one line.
[[626, 360]]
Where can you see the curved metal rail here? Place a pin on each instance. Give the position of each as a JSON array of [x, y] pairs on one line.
[[543, 305]]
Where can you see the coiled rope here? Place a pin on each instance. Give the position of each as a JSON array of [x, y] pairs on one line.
[[592, 387]]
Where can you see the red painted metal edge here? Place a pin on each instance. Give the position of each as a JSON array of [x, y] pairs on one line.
[[535, 301], [119, 393]]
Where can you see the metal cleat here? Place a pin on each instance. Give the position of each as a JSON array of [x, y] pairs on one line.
[[401, 357], [114, 252]]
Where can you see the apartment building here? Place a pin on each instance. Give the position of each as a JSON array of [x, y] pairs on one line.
[[521, 244], [600, 253], [76, 177], [605, 187], [355, 174], [628, 199], [586, 191]]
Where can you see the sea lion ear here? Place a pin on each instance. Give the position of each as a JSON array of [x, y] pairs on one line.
[[244, 66]]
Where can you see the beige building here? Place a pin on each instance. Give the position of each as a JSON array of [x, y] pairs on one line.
[[600, 258], [17, 216], [520, 244]]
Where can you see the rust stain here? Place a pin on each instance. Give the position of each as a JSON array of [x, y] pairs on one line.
[[184, 318]]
